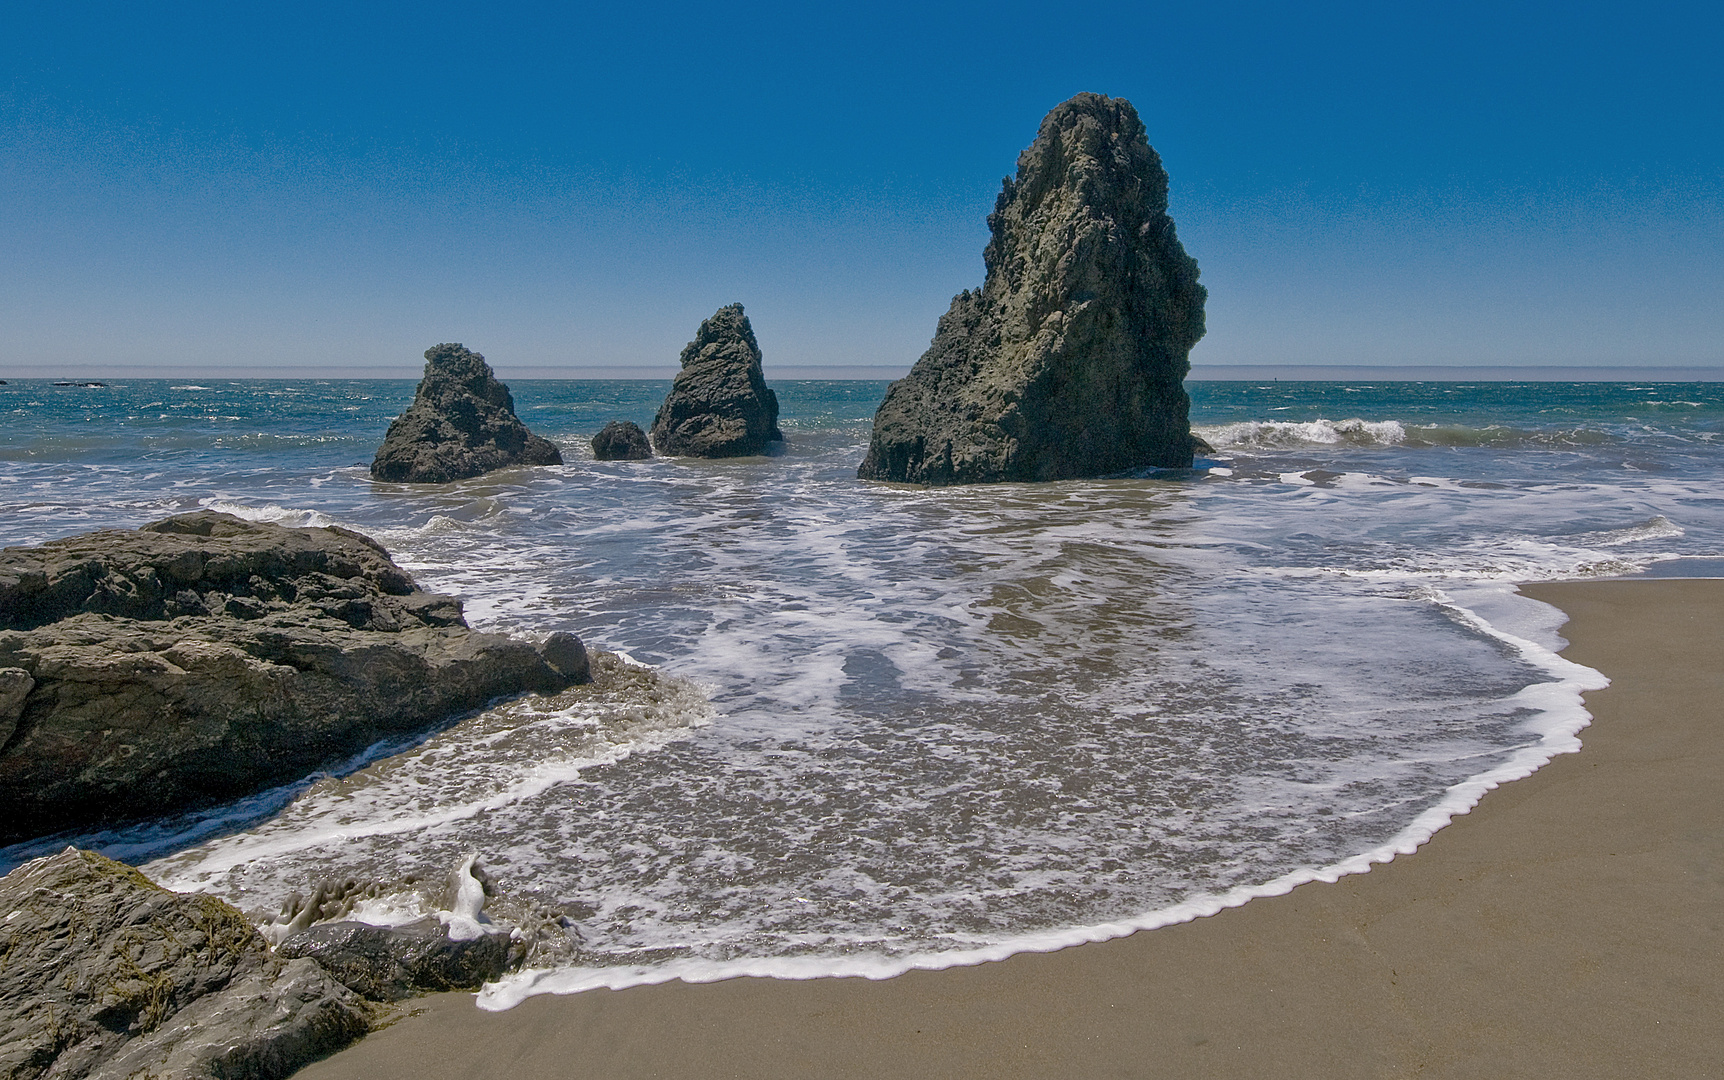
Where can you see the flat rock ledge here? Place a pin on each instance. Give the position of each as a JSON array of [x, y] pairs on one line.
[[719, 406], [104, 974], [461, 424], [1070, 360], [204, 657]]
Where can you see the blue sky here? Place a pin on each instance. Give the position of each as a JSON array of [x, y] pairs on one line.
[[319, 184]]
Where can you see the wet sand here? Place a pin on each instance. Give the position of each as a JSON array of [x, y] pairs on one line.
[[1571, 926]]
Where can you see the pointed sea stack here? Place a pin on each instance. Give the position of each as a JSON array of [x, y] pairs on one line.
[[720, 405], [462, 423], [1070, 360]]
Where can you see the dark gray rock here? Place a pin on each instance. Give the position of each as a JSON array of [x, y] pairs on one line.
[[720, 405], [462, 423], [204, 657], [105, 974], [389, 963], [1071, 358], [567, 655], [621, 440]]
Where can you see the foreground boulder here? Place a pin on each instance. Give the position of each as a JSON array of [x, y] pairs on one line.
[[1069, 361], [204, 657], [462, 423], [621, 440], [720, 405], [104, 974]]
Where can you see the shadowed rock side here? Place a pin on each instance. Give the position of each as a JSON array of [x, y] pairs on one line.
[[1071, 358], [621, 440], [720, 405], [204, 657], [462, 423], [105, 974]]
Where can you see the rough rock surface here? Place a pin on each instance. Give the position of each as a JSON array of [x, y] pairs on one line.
[[462, 423], [1070, 360], [104, 974], [204, 657], [621, 440], [389, 963], [720, 405]]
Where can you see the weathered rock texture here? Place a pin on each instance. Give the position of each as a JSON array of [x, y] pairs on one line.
[[622, 440], [204, 657], [1070, 360], [462, 423], [389, 963], [104, 974], [720, 405]]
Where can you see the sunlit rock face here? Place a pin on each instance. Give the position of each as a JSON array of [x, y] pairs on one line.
[[1070, 359]]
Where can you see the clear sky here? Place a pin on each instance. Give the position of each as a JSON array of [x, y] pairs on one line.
[[328, 184]]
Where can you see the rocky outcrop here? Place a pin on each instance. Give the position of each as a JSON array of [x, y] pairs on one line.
[[622, 440], [462, 423], [1069, 361], [390, 963], [104, 974], [720, 405], [203, 657]]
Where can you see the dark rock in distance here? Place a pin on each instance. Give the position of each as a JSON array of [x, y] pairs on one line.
[[461, 424], [1070, 360], [621, 440], [720, 405], [105, 974], [204, 657]]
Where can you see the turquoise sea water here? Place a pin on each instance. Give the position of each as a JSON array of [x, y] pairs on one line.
[[933, 726]]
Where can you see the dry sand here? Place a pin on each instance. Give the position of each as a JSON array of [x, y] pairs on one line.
[[1572, 926]]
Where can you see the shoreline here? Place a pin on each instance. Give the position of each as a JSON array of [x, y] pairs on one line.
[[1570, 925]]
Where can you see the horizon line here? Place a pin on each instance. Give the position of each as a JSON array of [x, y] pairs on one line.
[[886, 372]]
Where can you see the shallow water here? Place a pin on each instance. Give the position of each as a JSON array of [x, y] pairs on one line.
[[932, 726]]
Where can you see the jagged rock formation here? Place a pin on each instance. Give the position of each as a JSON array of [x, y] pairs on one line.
[[622, 440], [462, 423], [1070, 360], [105, 974], [720, 405], [204, 657]]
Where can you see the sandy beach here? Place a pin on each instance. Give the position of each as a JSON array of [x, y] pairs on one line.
[[1571, 926]]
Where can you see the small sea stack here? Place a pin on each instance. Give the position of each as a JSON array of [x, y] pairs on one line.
[[621, 440], [1070, 359], [720, 405], [461, 424]]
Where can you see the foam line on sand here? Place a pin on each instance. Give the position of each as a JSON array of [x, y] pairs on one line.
[[1571, 926]]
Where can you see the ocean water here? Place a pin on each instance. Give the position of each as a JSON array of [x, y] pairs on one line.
[[918, 728]]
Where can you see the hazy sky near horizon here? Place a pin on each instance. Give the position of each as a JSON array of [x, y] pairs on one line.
[[334, 184]]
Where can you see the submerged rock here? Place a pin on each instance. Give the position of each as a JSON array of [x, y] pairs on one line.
[[390, 963], [621, 440], [204, 657], [1070, 360], [105, 974], [458, 949], [462, 423], [720, 405]]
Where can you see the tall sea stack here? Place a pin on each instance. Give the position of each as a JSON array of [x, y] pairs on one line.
[[1070, 360], [462, 423], [720, 405]]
